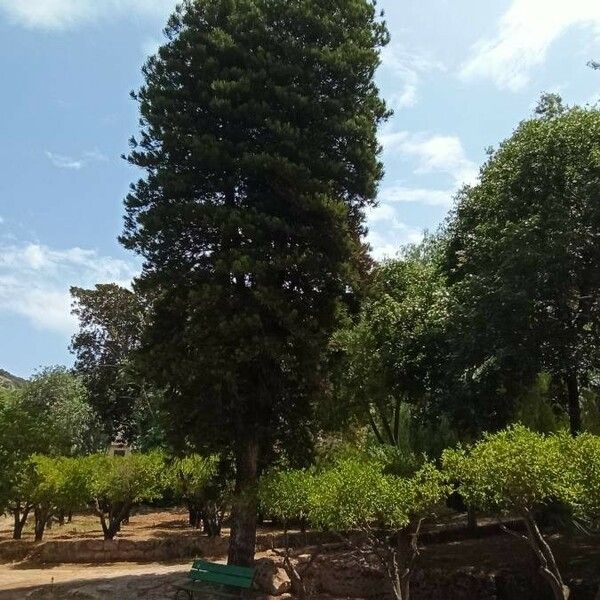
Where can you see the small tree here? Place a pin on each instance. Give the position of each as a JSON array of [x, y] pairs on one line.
[[517, 471], [192, 479], [584, 460], [387, 510], [118, 483], [287, 496], [55, 484]]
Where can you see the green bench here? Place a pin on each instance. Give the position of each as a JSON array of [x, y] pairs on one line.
[[207, 580]]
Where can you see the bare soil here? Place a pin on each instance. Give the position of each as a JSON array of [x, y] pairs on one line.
[[579, 557]]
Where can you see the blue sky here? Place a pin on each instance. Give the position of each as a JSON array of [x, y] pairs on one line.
[[460, 74]]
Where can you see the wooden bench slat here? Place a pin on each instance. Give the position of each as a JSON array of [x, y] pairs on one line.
[[221, 578], [203, 565]]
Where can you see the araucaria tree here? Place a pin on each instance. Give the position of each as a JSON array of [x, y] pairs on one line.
[[258, 141], [523, 251]]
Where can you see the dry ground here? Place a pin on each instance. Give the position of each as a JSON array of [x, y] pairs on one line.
[[580, 557]]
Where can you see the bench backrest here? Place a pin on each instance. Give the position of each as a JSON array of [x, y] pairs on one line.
[[240, 577]]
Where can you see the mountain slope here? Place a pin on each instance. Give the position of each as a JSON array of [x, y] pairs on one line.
[[9, 381]]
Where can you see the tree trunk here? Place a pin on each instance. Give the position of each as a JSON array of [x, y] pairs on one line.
[[546, 561], [20, 520], [574, 404], [242, 542], [471, 519], [42, 515]]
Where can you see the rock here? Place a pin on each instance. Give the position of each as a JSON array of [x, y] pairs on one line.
[[271, 577]]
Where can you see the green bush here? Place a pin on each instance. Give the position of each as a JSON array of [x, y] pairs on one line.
[[518, 471]]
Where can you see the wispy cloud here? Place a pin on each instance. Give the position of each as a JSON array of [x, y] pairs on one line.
[[61, 161], [35, 281], [67, 14], [525, 33], [434, 154], [407, 69], [430, 197], [388, 233]]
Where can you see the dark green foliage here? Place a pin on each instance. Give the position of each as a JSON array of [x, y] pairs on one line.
[[110, 327], [258, 141], [522, 256], [391, 361]]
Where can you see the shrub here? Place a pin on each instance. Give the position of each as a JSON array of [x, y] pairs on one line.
[[518, 471]]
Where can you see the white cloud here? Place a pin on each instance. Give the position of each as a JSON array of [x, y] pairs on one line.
[[387, 233], [1, 219], [61, 161], [429, 197], [525, 33], [407, 68], [434, 154], [66, 14], [35, 281]]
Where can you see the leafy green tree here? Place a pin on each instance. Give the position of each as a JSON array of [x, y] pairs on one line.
[[517, 471], [65, 423], [387, 510], [111, 320], [287, 496], [583, 457], [522, 252], [259, 144], [195, 480], [390, 359], [19, 436], [120, 482], [47, 415], [55, 484]]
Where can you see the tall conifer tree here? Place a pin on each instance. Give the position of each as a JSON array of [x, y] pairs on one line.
[[258, 141]]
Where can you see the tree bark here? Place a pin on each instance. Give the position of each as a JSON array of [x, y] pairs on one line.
[[42, 515], [20, 520], [573, 402], [242, 542], [547, 564], [471, 519]]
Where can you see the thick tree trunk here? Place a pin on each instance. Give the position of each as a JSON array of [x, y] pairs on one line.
[[242, 543], [574, 403]]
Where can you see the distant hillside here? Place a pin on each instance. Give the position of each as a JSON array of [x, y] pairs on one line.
[[9, 381]]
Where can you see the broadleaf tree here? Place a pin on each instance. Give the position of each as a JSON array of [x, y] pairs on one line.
[[522, 252], [259, 146]]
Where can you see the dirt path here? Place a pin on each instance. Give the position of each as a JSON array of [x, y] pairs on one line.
[[120, 580]]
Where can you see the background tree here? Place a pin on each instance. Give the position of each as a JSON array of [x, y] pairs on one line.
[[198, 482], [66, 424], [111, 320], [117, 483], [259, 144], [522, 251], [48, 415], [390, 359], [53, 485]]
